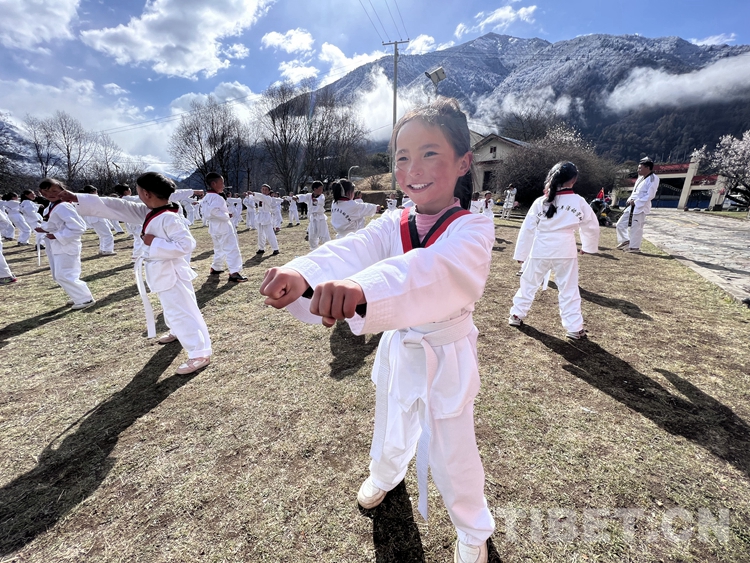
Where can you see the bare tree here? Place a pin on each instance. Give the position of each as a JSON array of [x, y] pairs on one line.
[[206, 139], [529, 125], [71, 142], [40, 138]]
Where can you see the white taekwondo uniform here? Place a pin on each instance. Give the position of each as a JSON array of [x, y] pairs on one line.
[[550, 244], [475, 206], [167, 266], [251, 219], [13, 209], [425, 368], [349, 216], [223, 234], [317, 231], [64, 251], [510, 199], [487, 206], [234, 204], [7, 229], [643, 192], [4, 268], [102, 229], [293, 211], [265, 222], [30, 211]]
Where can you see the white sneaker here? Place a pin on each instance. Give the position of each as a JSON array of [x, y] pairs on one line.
[[633, 250], [470, 553], [78, 306], [369, 495], [167, 338], [514, 321], [578, 335], [623, 244], [107, 253]]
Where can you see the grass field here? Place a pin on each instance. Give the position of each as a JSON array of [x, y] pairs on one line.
[[106, 455]]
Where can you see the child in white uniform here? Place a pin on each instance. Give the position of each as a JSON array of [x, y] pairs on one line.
[[101, 228], [293, 211], [266, 234], [347, 215], [6, 276], [510, 199], [251, 217], [234, 204], [63, 227], [7, 230], [476, 205], [167, 242], [547, 241], [426, 364], [13, 209], [317, 231], [223, 233], [30, 211], [488, 205]]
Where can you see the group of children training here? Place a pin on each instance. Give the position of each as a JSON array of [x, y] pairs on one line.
[[414, 274]]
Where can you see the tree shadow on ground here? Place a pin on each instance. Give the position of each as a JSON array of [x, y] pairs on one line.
[[700, 418], [349, 351], [715, 267], [202, 256], [662, 256], [106, 273], [68, 474]]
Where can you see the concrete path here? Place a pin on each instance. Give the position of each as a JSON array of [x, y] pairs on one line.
[[718, 248]]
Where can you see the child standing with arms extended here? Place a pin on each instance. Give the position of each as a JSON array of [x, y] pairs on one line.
[[63, 227], [547, 241], [317, 230], [167, 243], [223, 233], [416, 274], [348, 215]]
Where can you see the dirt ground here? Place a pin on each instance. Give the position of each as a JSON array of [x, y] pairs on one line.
[[633, 446]]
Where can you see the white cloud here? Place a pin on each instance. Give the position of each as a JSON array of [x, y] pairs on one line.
[[721, 39], [725, 80], [341, 64], [178, 37], [27, 24], [240, 96], [236, 51], [114, 89], [293, 41], [497, 20], [425, 44], [297, 71]]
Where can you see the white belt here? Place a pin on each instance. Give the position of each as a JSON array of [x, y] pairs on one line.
[[147, 309], [435, 334]]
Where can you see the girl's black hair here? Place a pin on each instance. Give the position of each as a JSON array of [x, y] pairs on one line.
[[120, 189], [558, 175], [47, 183], [28, 192], [341, 188], [157, 184], [89, 189], [9, 196]]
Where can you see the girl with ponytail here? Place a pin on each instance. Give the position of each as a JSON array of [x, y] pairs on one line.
[[347, 214], [547, 242]]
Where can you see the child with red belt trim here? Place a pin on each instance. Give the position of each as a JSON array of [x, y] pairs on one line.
[[415, 274], [167, 243]]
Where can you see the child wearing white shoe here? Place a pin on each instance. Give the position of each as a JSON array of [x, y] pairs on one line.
[[425, 369], [167, 243]]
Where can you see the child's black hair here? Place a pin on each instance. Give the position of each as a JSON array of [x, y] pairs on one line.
[[120, 189], [89, 189], [212, 177], [47, 183], [558, 175], [157, 184], [316, 184], [9, 196], [26, 193], [341, 188], [475, 196]]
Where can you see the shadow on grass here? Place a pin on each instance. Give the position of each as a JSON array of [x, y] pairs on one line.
[[202, 256], [349, 351], [625, 307], [106, 273], [700, 419], [710, 266], [71, 471], [20, 327]]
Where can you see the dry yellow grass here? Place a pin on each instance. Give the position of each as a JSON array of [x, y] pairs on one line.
[[105, 455]]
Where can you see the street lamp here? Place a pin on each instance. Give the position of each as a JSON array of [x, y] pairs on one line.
[[437, 76], [349, 174]]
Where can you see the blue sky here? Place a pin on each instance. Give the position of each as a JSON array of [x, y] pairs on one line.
[[114, 65]]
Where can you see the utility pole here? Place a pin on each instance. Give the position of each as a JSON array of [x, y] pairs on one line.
[[395, 97]]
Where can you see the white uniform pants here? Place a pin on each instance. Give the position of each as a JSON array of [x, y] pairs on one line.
[[8, 231], [506, 212], [634, 233], [184, 319], [317, 231], [24, 231], [277, 219], [106, 240], [250, 219], [115, 226], [454, 462], [227, 251], [566, 278], [4, 268], [293, 215], [66, 271], [266, 235]]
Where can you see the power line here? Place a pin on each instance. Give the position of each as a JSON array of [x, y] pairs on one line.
[[381, 23], [402, 18], [372, 22], [393, 20]]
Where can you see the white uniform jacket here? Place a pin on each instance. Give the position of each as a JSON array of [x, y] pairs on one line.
[[643, 192], [264, 208], [315, 205], [166, 259], [214, 209], [407, 294], [487, 206], [30, 212], [555, 238], [349, 216], [67, 226], [475, 206], [510, 198]]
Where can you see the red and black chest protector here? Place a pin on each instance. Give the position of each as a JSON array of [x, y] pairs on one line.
[[171, 208], [410, 235]]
